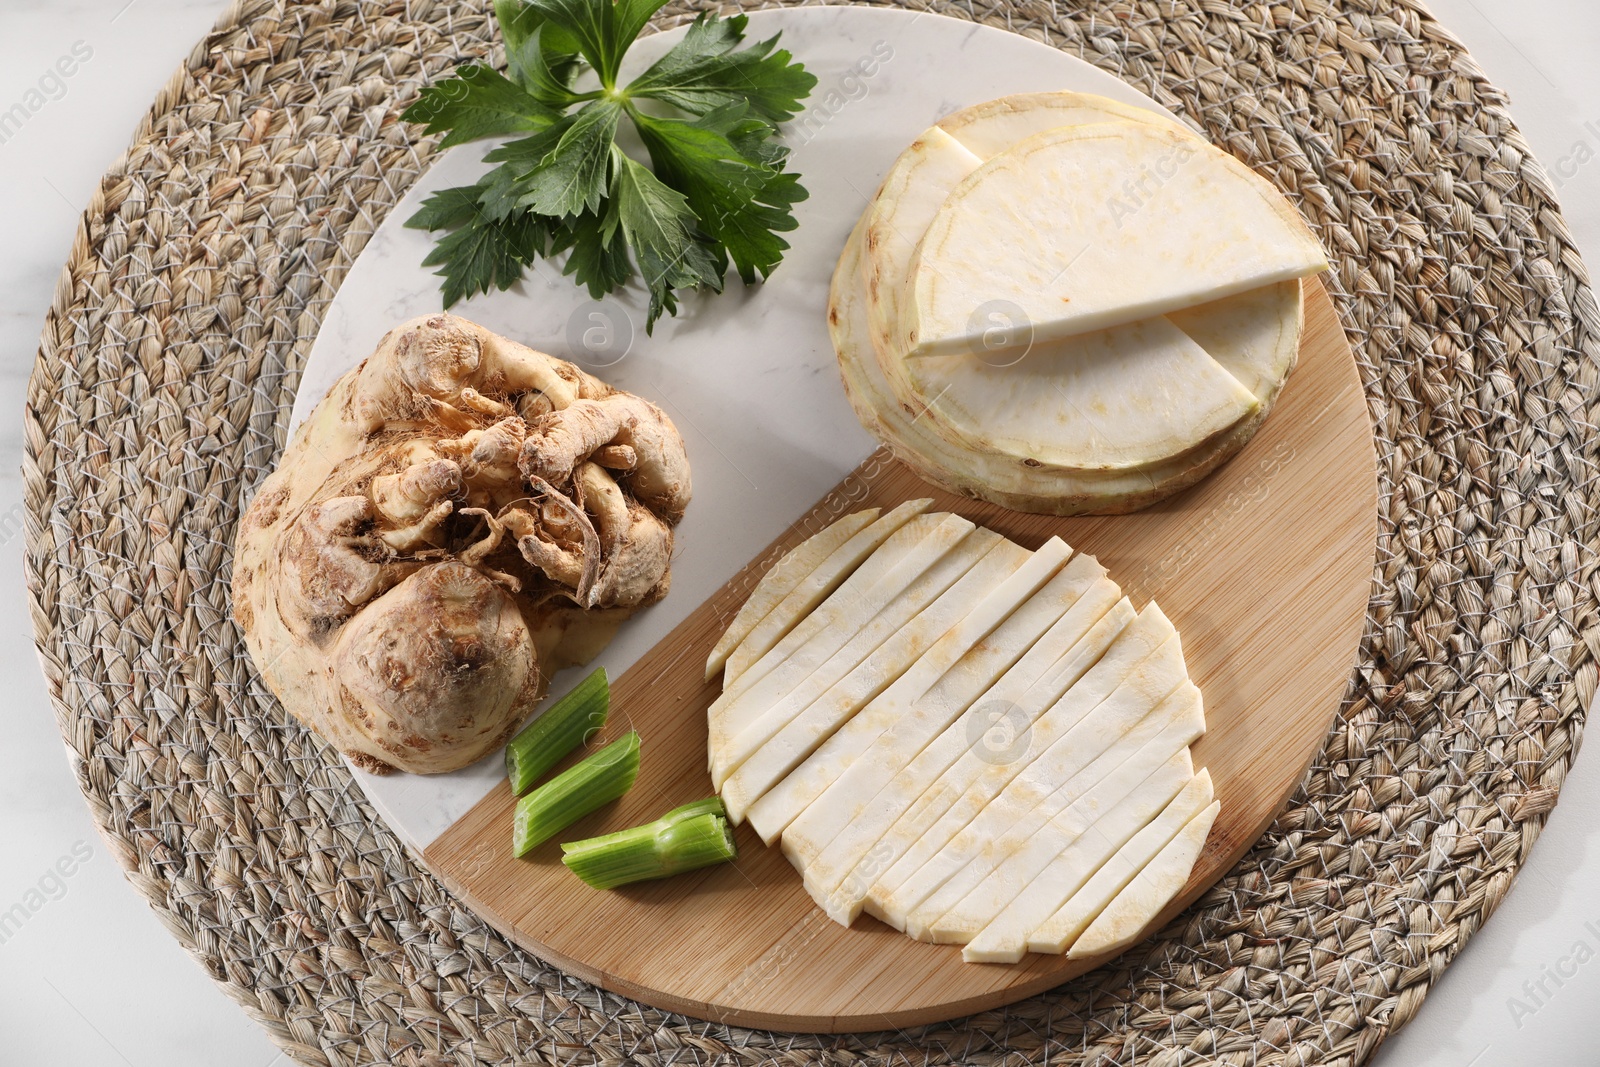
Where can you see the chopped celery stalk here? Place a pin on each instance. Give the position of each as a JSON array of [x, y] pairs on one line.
[[711, 805], [575, 792], [562, 727], [684, 839]]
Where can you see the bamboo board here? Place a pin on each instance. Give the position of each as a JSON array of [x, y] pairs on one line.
[[1265, 568]]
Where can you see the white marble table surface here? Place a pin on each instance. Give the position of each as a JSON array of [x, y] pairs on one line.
[[93, 978]]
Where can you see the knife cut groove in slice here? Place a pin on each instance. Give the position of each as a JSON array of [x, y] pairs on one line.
[[1009, 707], [1005, 938], [967, 753], [1029, 635], [1119, 726], [777, 808], [872, 659], [1072, 810], [917, 546], [789, 732], [813, 590], [868, 744], [780, 580], [1142, 899], [1112, 801], [1084, 904], [895, 893]]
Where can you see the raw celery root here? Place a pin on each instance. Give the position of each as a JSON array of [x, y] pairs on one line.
[[442, 536]]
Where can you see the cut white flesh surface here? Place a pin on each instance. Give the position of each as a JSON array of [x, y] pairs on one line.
[[767, 675], [997, 727], [1085, 902], [781, 579], [963, 860], [830, 835], [765, 679], [771, 746], [1154, 221], [976, 777], [1080, 797], [1151, 890], [1254, 336], [794, 741], [932, 166], [910, 196], [778, 807], [1118, 399], [974, 785], [803, 599], [830, 630], [999, 907], [1024, 850], [1045, 489], [1005, 938]]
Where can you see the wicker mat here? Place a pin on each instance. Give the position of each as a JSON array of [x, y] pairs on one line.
[[196, 285]]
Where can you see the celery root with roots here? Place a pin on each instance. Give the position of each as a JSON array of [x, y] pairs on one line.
[[460, 517]]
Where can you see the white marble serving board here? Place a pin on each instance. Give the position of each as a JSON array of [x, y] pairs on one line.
[[749, 376]]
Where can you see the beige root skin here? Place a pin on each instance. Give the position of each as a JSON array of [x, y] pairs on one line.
[[636, 545], [440, 664], [406, 582], [570, 435]]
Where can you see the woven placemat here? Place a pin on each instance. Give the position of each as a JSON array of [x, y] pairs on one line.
[[197, 282]]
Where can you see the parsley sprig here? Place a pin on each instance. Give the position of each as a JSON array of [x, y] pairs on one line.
[[706, 113]]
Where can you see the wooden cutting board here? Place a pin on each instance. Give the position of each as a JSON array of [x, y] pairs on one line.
[[1265, 568]]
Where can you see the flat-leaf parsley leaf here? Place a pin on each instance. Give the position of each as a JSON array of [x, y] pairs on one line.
[[715, 191]]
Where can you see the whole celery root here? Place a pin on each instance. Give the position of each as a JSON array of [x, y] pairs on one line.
[[458, 519]]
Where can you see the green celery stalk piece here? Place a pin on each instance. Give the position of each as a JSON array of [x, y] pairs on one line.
[[562, 727], [684, 839], [575, 792]]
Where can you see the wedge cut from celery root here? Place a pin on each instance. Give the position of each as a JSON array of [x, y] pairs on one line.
[[1062, 929], [1057, 778], [575, 792], [790, 731], [559, 729], [1073, 265], [779, 806], [1123, 399], [1006, 703], [1142, 899], [686, 838], [780, 580], [1070, 812], [852, 608], [816, 586], [905, 883], [935, 163]]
